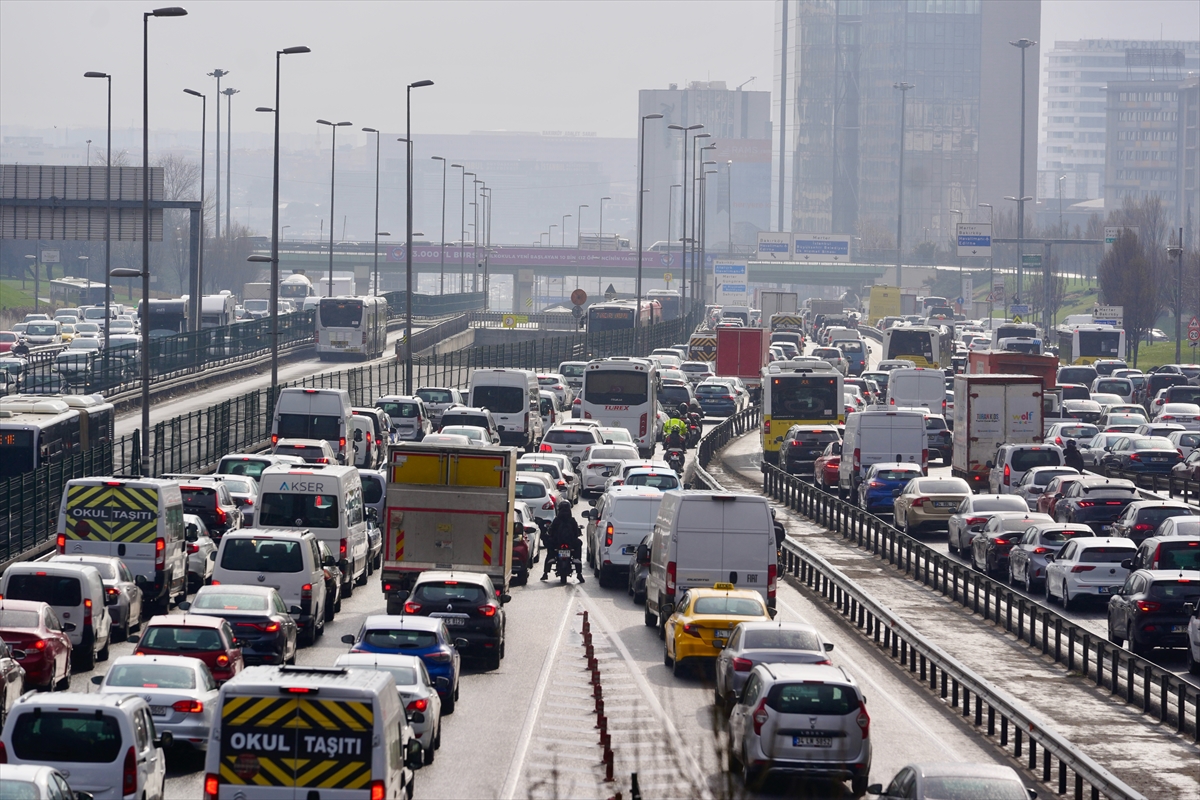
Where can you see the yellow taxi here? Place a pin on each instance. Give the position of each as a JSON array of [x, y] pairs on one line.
[[704, 619]]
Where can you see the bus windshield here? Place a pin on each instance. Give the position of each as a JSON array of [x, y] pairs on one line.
[[611, 387], [804, 398], [340, 313], [1099, 343]]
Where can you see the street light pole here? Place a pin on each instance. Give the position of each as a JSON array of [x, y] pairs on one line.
[[108, 210], [600, 239], [991, 267], [1176, 252], [683, 287], [903, 87], [442, 274], [462, 242], [376, 248], [579, 226], [729, 202], [171, 11], [1023, 45], [408, 230], [194, 313], [229, 93], [563, 231], [703, 229], [218, 74], [637, 315], [696, 169], [476, 183], [1061, 233], [332, 184], [670, 226]]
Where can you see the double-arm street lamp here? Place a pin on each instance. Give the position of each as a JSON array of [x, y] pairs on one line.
[[376, 228], [408, 229], [332, 184], [579, 225], [462, 223], [637, 315], [903, 87], [563, 242], [683, 204], [194, 310]]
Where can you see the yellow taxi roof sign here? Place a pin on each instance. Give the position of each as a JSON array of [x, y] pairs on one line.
[[724, 587]]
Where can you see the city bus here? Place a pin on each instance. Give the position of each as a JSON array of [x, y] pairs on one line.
[[351, 326], [669, 301], [74, 292], [924, 345], [167, 316], [622, 392], [796, 394], [1084, 344], [619, 315], [36, 431]]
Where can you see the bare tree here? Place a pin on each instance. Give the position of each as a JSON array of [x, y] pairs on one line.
[[1127, 279]]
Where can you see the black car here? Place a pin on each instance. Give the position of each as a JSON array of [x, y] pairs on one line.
[[333, 581], [1105, 366], [1077, 373], [804, 444], [1148, 611], [1141, 519], [639, 570], [940, 440], [469, 605], [672, 394], [210, 500], [262, 625], [1167, 552], [1142, 454], [1096, 502]]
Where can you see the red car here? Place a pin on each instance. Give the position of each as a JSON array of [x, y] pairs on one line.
[[1054, 491], [8, 340], [825, 468], [33, 627], [209, 639]]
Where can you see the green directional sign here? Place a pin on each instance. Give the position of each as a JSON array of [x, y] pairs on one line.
[[1031, 262]]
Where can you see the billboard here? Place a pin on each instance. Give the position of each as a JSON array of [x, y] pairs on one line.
[[774, 246], [821, 247]]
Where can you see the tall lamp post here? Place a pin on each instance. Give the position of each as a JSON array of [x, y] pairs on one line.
[[169, 11], [332, 184], [600, 257], [563, 231], [903, 87], [671, 218], [442, 272], [1023, 45], [478, 233], [486, 193], [1061, 232], [229, 93], [698, 274], [462, 242], [408, 230], [108, 211], [579, 226], [991, 268], [375, 270], [683, 206], [637, 316], [695, 207], [274, 259], [194, 310], [218, 74], [729, 203], [1175, 251]]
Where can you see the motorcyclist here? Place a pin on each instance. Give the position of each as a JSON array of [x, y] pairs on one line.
[[674, 431], [564, 530], [1072, 457]]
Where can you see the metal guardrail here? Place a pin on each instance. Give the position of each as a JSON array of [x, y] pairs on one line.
[[937, 669]]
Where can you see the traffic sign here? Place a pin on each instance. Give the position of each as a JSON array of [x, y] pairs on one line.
[[1194, 324], [1019, 309], [578, 297], [529, 302], [1016, 318], [821, 247], [513, 320], [960, 300], [610, 293], [974, 239], [1194, 331], [577, 312], [668, 277]]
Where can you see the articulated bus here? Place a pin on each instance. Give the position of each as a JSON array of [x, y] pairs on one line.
[[670, 302], [619, 315], [34, 432], [1084, 344], [924, 345], [76, 292], [796, 394], [351, 326], [622, 392]]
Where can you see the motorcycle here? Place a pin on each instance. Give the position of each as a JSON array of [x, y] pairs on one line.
[[675, 458], [564, 564], [695, 429]]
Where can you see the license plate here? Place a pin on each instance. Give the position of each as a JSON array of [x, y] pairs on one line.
[[1107, 589], [1178, 628], [721, 634], [159, 711], [943, 504], [628, 549], [451, 621], [1105, 528], [812, 741]]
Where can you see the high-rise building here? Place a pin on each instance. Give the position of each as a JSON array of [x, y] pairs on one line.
[[836, 65], [739, 194], [1073, 134]]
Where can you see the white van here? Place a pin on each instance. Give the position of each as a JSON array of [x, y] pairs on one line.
[[701, 538], [334, 732], [138, 520], [287, 561], [326, 499], [872, 436], [917, 387], [314, 414], [512, 396], [616, 526], [76, 593]]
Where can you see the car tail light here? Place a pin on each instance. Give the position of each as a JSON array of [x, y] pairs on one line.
[[222, 660], [863, 720], [1007, 474], [274, 439], [193, 548], [222, 517], [87, 611], [670, 578], [211, 787], [924, 458], [420, 704], [1167, 417], [62, 543], [1148, 606], [1086, 503], [378, 790], [1134, 457], [976, 521], [608, 535], [1058, 440], [112, 591], [545, 448], [1001, 541], [857, 458], [772, 577], [411, 608], [919, 502], [562, 484], [1143, 527], [305, 594], [488, 611], [742, 665], [3, 754], [342, 444], [876, 484], [270, 627], [641, 425], [760, 717], [342, 549], [440, 658], [189, 706], [129, 773], [1041, 551], [691, 629], [160, 554], [1082, 568]]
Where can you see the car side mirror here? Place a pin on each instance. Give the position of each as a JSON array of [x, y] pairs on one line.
[[183, 605], [329, 561], [504, 598], [193, 536], [165, 740], [1049, 557], [1127, 563], [96, 679], [643, 553], [772, 612], [296, 610], [875, 788], [348, 639], [989, 465], [442, 684], [415, 759], [828, 646], [140, 579], [68, 627], [667, 609], [358, 437], [373, 514], [417, 717], [461, 644]]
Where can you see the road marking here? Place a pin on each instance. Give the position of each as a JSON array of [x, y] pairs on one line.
[[539, 692]]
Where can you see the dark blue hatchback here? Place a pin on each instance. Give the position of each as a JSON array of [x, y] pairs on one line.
[[883, 482], [424, 637], [716, 399]]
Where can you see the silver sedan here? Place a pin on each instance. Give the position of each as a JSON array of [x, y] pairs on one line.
[[974, 513], [418, 693], [180, 690], [754, 643], [122, 596]]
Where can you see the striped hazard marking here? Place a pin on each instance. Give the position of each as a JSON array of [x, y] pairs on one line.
[[112, 513]]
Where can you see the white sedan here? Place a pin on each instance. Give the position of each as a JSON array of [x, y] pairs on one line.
[[418, 693], [1185, 414], [202, 552], [600, 462], [553, 382], [1090, 566], [182, 693]]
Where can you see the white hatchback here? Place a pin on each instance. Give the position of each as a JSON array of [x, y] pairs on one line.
[[182, 693], [1088, 567], [600, 461]]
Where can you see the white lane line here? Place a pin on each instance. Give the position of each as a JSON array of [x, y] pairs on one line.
[[892, 701], [518, 762]]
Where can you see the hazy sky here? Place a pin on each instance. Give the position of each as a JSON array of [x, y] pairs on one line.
[[512, 65]]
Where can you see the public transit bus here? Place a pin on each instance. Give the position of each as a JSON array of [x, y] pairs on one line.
[[351, 326], [74, 292], [796, 394], [924, 345], [36, 431], [1083, 344], [167, 316], [619, 315], [669, 301], [622, 392]]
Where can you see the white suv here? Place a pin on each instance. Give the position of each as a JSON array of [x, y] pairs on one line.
[[789, 717], [101, 741]]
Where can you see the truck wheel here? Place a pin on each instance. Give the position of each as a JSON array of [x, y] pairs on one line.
[[363, 580], [395, 606]]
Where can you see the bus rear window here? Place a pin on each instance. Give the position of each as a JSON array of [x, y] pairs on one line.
[[341, 313], [616, 387]]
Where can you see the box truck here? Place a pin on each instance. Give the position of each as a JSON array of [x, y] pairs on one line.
[[741, 353], [991, 410]]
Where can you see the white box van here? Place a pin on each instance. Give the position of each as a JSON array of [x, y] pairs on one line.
[[314, 414], [76, 593], [702, 538], [616, 526], [512, 396], [138, 520], [333, 732], [326, 499], [917, 387], [287, 561], [873, 436]]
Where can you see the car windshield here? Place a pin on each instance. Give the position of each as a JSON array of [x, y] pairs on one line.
[[230, 601], [464, 420], [151, 676], [435, 395], [655, 480], [1153, 443], [398, 409], [1023, 460], [815, 438], [612, 453], [42, 328], [238, 486], [450, 591], [1061, 536], [499, 399], [780, 639], [372, 491], [734, 606], [279, 510], [12, 618], [1155, 515], [181, 639], [534, 466], [672, 395], [896, 474], [824, 699], [262, 555], [309, 426], [1043, 477], [999, 504], [956, 486], [965, 787], [469, 431], [528, 490], [400, 639], [55, 590], [616, 387], [74, 736], [1103, 554], [1078, 431], [571, 370], [251, 467]]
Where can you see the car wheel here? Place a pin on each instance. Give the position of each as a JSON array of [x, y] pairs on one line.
[[448, 703], [320, 629], [103, 654], [370, 568], [677, 668], [667, 660], [362, 581], [337, 604], [735, 763], [751, 777], [1012, 578], [650, 619], [1192, 664], [330, 609], [429, 754], [858, 785], [1112, 637], [605, 578], [1067, 602], [951, 542], [348, 588], [1139, 648]]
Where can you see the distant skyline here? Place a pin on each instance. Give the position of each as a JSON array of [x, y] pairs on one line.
[[516, 65]]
